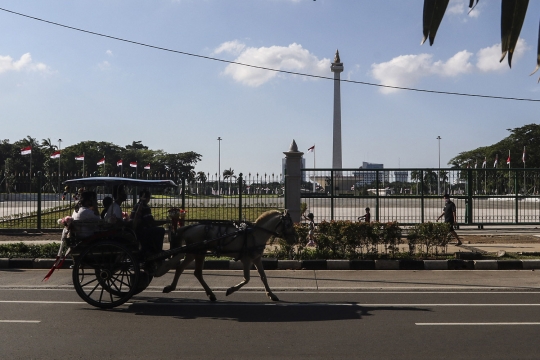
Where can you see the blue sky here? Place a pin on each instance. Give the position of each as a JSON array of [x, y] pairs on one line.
[[59, 83]]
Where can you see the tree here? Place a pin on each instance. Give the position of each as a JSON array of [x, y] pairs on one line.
[[229, 174], [201, 178], [512, 17], [136, 145], [527, 136]]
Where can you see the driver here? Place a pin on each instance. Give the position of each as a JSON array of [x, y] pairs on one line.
[[150, 235]]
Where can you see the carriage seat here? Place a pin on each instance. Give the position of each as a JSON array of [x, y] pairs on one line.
[[99, 230]]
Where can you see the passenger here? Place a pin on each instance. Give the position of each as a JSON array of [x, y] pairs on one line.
[[114, 212], [87, 211], [150, 235], [107, 202]]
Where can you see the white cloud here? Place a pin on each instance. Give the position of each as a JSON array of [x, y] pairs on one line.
[[104, 65], [461, 7], [489, 58], [24, 63], [109, 52], [289, 58], [232, 47], [406, 70], [456, 8]]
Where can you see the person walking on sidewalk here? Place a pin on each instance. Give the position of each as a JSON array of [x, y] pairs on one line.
[[450, 217], [311, 228]]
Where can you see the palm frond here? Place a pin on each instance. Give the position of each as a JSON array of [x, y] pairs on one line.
[[537, 55], [433, 14], [512, 17]]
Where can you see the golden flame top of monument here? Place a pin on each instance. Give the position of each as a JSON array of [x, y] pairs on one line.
[[336, 58]]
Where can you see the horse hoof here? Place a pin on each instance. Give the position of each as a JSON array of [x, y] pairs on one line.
[[273, 297], [167, 289], [212, 297], [229, 292]]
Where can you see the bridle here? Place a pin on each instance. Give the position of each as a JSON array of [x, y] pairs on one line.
[[285, 223]]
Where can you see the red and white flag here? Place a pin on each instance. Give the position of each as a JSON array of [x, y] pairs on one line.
[[147, 167], [508, 160], [101, 162], [55, 155], [133, 164], [484, 163], [476, 164], [80, 157], [27, 150], [119, 162], [496, 160], [311, 149], [523, 157]]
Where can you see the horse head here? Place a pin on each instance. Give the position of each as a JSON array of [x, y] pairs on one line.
[[287, 231]]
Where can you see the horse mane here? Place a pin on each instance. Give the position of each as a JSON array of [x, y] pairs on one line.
[[266, 214]]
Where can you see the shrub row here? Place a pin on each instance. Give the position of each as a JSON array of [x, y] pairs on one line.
[[360, 240]]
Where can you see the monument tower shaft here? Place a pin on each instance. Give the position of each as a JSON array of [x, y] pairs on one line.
[[337, 69]]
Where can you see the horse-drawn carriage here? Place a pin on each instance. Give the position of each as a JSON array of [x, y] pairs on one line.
[[110, 265]]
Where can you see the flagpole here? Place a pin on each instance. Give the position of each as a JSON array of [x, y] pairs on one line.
[[83, 164]]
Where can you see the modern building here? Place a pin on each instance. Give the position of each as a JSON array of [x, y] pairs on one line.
[[369, 177]]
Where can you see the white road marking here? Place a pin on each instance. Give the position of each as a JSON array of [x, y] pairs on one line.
[[478, 324], [21, 321], [220, 303]]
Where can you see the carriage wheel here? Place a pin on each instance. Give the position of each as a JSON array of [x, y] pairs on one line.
[[106, 275]]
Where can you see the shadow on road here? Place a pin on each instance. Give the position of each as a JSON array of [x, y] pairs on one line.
[[255, 312]]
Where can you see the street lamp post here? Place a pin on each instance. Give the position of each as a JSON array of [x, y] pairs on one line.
[[59, 147], [219, 164], [439, 173]]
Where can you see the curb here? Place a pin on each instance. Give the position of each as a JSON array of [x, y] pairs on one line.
[[274, 264]]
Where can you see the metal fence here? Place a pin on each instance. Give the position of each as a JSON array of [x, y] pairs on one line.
[[409, 196], [37, 202]]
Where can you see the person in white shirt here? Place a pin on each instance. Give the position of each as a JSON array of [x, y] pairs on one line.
[[86, 212], [114, 213]]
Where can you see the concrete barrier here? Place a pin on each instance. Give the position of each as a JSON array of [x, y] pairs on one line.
[[486, 265], [387, 264], [435, 265], [289, 265], [338, 265], [530, 264]]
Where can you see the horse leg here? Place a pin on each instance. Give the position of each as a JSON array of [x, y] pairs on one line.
[[247, 267], [179, 270], [258, 264], [199, 262]]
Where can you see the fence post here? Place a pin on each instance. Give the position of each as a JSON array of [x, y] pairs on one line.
[[332, 194], [39, 201], [421, 196], [469, 204], [293, 180], [516, 192], [377, 195], [183, 191], [240, 189]]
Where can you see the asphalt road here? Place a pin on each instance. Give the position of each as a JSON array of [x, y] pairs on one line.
[[445, 321]]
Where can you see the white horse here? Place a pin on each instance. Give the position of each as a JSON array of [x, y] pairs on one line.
[[246, 245]]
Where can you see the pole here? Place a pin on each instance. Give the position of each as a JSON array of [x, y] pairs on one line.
[[439, 174], [83, 164], [59, 149], [219, 164]]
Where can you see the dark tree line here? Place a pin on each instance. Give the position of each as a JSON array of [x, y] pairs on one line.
[[13, 162]]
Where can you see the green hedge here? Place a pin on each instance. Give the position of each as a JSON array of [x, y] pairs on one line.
[[360, 240], [22, 250]]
